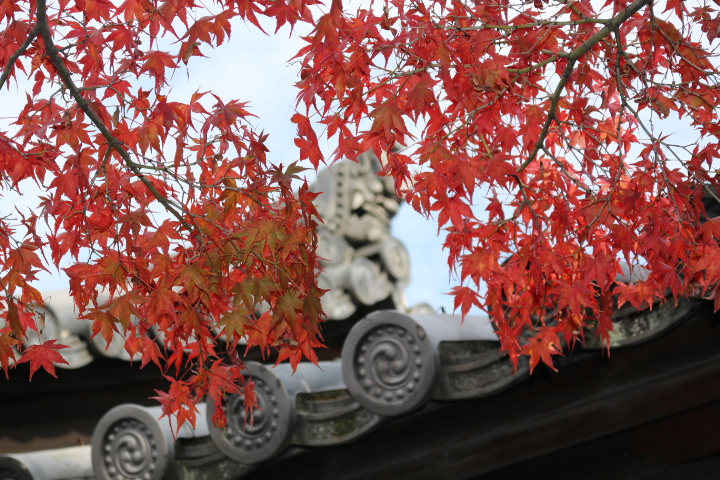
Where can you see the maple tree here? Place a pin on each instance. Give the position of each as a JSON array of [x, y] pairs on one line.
[[548, 109], [552, 113], [173, 220]]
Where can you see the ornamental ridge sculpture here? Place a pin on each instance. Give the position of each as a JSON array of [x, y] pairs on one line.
[[364, 264], [393, 362]]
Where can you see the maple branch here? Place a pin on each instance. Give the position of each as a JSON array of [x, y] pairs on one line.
[[11, 63], [532, 67], [544, 23], [612, 25], [113, 143]]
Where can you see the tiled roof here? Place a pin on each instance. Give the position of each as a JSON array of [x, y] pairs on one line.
[[413, 395], [400, 375]]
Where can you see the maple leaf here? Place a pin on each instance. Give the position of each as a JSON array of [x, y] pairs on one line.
[[133, 10], [104, 323], [124, 307], [234, 322], [96, 9], [542, 347], [150, 352], [307, 140], [286, 308], [454, 209], [43, 355], [388, 121], [178, 401], [576, 296], [250, 401], [284, 12], [421, 96], [7, 352], [13, 320], [248, 10], [188, 50], [154, 63], [465, 298], [222, 380]]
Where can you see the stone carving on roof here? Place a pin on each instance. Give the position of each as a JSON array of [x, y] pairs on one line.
[[393, 362], [310, 407], [134, 442], [364, 264]]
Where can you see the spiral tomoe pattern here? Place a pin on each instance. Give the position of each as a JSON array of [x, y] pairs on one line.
[[389, 364], [244, 434], [130, 451]]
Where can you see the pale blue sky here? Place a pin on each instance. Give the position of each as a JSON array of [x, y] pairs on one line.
[[253, 67]]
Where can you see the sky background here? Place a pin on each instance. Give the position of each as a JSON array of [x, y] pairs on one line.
[[253, 67]]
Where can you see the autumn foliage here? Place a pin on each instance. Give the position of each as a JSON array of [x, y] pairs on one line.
[[171, 209], [549, 111], [556, 118]]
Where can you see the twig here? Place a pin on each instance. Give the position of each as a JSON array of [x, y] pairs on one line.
[[113, 143], [612, 25]]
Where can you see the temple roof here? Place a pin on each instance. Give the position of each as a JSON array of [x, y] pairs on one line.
[[400, 392], [649, 407]]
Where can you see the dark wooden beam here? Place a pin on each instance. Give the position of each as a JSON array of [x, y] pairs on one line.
[[591, 397], [652, 450]]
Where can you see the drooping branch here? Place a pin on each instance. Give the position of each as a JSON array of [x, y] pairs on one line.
[[612, 25], [11, 63], [113, 143]]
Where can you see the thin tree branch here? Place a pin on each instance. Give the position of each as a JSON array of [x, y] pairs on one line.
[[113, 143], [573, 57], [11, 63], [532, 67]]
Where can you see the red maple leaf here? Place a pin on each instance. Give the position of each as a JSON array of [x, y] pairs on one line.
[[542, 347], [44, 355], [465, 298], [7, 352]]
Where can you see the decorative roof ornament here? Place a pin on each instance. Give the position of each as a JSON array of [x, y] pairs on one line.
[[395, 363], [308, 407], [131, 442], [364, 264]]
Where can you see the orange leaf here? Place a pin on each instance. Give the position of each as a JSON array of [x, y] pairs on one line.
[[44, 355]]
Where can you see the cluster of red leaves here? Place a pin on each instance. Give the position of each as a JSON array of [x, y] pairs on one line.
[[550, 111], [171, 210], [534, 105]]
